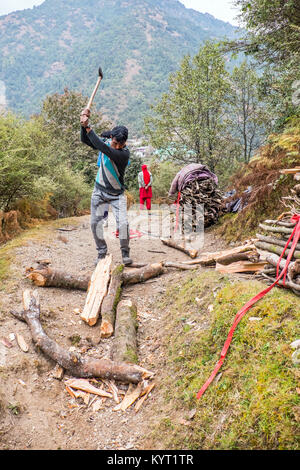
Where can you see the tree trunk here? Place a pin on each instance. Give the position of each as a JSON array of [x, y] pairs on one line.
[[73, 363], [125, 342], [110, 302]]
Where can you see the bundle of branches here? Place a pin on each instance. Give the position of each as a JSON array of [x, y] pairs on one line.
[[272, 242], [205, 192]]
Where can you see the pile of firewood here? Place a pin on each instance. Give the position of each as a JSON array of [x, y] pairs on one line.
[[204, 192], [272, 242], [274, 237]]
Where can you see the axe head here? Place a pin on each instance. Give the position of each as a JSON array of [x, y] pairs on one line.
[[100, 72]]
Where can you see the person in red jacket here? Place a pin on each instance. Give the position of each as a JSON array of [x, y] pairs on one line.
[[145, 185]]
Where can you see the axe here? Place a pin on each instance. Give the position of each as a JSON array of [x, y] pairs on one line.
[[100, 73]]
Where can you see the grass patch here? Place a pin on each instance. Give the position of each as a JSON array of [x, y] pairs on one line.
[[254, 404]]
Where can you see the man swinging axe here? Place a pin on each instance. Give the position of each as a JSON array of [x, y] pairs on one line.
[[109, 184]]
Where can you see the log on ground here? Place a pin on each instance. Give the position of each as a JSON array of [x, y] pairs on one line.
[[125, 340], [44, 276], [135, 276], [74, 364]]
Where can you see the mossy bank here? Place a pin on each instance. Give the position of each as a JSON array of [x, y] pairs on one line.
[[254, 402]]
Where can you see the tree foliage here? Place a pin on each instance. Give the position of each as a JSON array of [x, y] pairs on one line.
[[60, 114], [188, 122]]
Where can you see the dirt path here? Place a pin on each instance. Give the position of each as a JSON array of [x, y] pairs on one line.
[[36, 412]]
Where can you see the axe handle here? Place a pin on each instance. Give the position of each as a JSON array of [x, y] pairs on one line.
[[93, 94]]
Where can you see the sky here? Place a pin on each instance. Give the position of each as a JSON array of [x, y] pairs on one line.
[[221, 9]]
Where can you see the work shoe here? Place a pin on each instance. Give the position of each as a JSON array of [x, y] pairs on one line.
[[99, 258], [126, 259]]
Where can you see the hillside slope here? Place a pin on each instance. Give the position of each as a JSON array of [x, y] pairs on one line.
[[137, 42]]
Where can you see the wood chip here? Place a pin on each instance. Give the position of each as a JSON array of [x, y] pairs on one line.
[[133, 393], [22, 343], [144, 395], [58, 372], [84, 385]]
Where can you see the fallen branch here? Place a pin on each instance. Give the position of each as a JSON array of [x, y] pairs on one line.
[[171, 243], [171, 264], [75, 364]]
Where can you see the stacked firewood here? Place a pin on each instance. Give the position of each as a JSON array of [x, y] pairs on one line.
[[273, 240], [204, 192]]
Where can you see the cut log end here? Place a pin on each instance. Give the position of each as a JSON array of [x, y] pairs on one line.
[[106, 329]]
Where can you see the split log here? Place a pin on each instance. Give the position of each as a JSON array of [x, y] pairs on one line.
[[241, 267], [74, 364], [275, 249], [171, 243], [142, 274], [275, 241], [110, 301], [125, 342], [97, 291], [44, 276]]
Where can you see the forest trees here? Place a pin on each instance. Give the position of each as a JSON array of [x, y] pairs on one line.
[[273, 40], [188, 121], [60, 114], [209, 116], [42, 161], [247, 116]]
